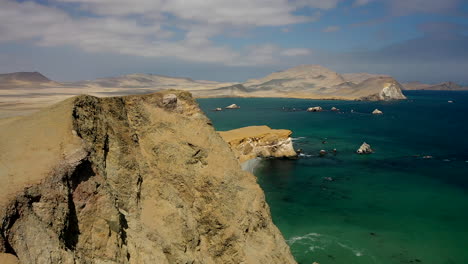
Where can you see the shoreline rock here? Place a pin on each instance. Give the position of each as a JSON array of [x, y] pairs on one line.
[[259, 141]]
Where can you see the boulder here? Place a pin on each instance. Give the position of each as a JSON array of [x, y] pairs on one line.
[[170, 100], [364, 149], [315, 109], [218, 109], [377, 112], [233, 106]]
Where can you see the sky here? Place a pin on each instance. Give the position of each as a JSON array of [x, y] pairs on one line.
[[225, 40]]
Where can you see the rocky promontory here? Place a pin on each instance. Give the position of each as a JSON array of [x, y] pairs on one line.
[[259, 141], [135, 179]]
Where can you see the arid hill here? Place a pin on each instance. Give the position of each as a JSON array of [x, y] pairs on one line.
[[318, 82], [33, 77], [135, 179], [305, 81]]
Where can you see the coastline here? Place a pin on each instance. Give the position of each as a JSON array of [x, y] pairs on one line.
[[251, 164]]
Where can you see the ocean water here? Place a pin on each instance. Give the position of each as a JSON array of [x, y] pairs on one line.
[[392, 206]]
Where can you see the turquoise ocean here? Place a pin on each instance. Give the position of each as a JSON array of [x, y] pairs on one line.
[[392, 206]]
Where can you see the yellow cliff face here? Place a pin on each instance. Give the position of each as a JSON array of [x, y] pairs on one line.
[[136, 179], [259, 141]]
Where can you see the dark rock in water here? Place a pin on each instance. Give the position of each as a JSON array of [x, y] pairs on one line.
[[372, 234], [315, 109]]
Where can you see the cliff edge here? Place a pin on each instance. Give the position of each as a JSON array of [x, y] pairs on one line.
[[136, 179], [259, 141]]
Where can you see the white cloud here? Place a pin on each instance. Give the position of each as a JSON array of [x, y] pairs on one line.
[[331, 29], [140, 27], [240, 12]]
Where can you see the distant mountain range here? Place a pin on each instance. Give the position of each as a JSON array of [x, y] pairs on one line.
[[29, 91], [305, 81], [445, 86]]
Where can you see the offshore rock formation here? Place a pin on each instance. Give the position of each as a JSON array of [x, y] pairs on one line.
[[377, 112], [259, 141], [364, 149], [232, 106], [137, 179], [315, 109]]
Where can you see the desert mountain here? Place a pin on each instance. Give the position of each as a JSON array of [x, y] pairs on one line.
[[33, 77], [23, 79], [135, 179], [23, 93], [360, 77], [314, 82], [445, 86]]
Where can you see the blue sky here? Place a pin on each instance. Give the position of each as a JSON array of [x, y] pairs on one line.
[[224, 40]]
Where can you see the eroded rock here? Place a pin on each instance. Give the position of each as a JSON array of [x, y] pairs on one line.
[[170, 101], [135, 183], [259, 141]]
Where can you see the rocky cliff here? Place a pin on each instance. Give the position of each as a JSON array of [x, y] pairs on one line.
[[259, 141], [137, 179]]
